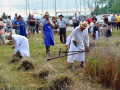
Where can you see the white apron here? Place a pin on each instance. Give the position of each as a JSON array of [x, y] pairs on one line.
[[78, 36]]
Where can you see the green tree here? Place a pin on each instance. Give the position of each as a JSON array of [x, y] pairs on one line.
[[116, 6], [101, 8], [4, 16]]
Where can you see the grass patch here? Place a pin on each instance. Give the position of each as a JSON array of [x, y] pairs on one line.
[[52, 74]]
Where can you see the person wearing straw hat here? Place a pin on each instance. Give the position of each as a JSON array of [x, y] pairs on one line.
[[21, 45], [46, 30], [77, 44]]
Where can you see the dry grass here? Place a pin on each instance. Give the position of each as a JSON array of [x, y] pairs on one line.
[[44, 70], [3, 82], [19, 80], [25, 65], [103, 63], [60, 82], [15, 60]]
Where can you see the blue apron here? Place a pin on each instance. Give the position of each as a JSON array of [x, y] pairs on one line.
[[22, 29], [47, 30]]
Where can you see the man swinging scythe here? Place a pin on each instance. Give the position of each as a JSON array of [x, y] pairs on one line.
[[77, 37]]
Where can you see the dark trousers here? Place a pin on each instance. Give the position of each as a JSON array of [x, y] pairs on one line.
[[48, 50], [62, 34], [76, 24], [118, 25]]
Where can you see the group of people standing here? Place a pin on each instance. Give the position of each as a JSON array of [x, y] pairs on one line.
[[75, 41], [114, 22], [47, 27], [31, 22], [18, 24]]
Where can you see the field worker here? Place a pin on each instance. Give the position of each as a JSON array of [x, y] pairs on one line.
[[46, 31], [77, 44], [62, 24], [75, 20], [21, 45]]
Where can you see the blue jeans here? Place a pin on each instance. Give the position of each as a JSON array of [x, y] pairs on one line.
[[17, 31]]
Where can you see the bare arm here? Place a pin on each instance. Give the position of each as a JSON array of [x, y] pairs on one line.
[[103, 20], [73, 20], [3, 24], [9, 24], [33, 20], [51, 24], [67, 25], [25, 24], [42, 32], [16, 25]]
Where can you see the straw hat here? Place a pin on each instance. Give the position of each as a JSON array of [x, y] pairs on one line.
[[84, 24], [46, 14]]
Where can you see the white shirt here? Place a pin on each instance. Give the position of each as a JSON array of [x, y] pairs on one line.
[[62, 23], [76, 19], [79, 36], [8, 21], [21, 44], [92, 26], [45, 21]]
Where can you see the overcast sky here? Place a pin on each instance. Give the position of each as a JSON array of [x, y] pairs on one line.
[[36, 6]]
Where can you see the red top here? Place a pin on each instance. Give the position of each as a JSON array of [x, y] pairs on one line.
[[89, 20]]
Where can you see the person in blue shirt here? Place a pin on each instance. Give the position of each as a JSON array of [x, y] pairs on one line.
[[113, 21], [22, 27], [15, 18], [17, 26]]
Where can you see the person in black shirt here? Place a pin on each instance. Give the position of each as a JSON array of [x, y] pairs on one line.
[[95, 30], [94, 18], [37, 26], [32, 25], [106, 21], [76, 20]]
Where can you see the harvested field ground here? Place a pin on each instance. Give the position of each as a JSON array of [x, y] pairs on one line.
[[14, 79]]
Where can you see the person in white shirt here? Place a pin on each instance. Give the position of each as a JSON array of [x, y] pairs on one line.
[[62, 25], [21, 45], [75, 20], [77, 44], [9, 25], [91, 28]]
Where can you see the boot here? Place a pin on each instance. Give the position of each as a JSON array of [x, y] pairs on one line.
[[72, 66], [18, 54], [82, 65], [48, 51]]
